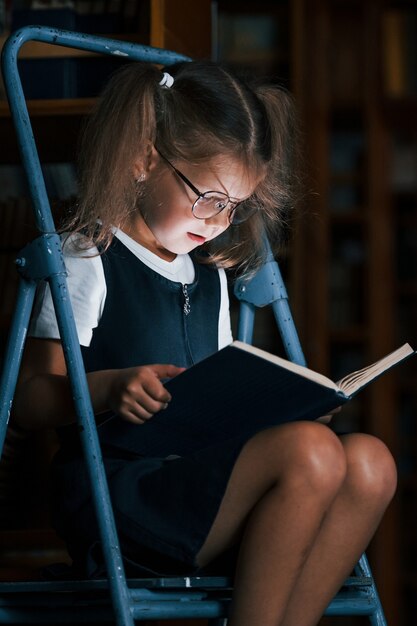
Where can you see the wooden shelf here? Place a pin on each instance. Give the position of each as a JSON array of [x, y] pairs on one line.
[[42, 108], [39, 50]]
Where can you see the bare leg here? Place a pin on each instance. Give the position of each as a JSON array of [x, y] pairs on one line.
[[347, 529], [284, 483]]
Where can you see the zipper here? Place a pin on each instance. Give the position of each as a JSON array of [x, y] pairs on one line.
[[186, 306], [186, 309]]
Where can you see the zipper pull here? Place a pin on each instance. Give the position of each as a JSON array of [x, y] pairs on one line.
[[186, 307]]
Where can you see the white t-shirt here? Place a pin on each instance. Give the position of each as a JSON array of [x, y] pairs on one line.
[[88, 291]]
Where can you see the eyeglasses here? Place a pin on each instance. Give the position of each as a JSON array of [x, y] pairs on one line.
[[211, 203]]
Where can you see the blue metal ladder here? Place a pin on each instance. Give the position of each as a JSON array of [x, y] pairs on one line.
[[116, 599]]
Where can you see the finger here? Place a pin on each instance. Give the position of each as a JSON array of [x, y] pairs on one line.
[[167, 371], [335, 411], [136, 413], [131, 417], [151, 406], [143, 388], [154, 390], [148, 399], [325, 419]]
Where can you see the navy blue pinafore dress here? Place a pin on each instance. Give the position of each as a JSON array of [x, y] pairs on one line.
[[164, 506]]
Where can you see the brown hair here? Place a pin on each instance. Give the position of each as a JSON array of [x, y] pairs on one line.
[[207, 112]]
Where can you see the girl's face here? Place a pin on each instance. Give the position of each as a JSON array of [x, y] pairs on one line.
[[166, 224]]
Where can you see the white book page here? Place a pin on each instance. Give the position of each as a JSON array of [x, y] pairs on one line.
[[351, 383]]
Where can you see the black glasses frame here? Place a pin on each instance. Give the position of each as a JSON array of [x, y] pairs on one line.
[[233, 201]]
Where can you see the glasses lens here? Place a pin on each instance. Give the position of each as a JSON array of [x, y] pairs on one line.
[[210, 204], [243, 211]]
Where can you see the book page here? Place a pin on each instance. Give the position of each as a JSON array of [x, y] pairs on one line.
[[351, 383]]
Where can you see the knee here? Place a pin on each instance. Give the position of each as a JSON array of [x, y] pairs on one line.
[[308, 455], [371, 471]]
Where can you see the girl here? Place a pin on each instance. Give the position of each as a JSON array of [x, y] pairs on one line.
[[181, 172]]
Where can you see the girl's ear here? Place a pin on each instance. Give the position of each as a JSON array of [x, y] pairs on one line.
[[145, 163]]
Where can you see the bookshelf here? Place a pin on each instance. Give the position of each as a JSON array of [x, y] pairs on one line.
[[403, 202], [351, 271], [355, 253]]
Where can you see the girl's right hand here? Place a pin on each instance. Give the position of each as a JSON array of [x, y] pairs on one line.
[[137, 393], [326, 419], [44, 398]]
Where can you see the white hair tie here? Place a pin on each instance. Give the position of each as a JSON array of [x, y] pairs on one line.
[[167, 81]]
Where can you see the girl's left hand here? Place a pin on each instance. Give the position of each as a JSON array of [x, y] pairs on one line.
[[325, 419]]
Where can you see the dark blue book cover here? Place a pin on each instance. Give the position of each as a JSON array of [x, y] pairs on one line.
[[236, 392]]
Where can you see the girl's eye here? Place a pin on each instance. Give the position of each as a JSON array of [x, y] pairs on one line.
[[214, 200], [220, 205]]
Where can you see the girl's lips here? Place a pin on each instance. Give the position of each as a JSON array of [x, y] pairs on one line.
[[197, 238]]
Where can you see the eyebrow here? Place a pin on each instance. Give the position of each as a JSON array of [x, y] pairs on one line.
[[193, 187]]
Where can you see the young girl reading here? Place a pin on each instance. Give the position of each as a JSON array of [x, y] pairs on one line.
[[181, 173]]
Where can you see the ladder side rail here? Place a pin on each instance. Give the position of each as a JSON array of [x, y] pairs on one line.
[[42, 259], [246, 322], [267, 287], [13, 353], [363, 569]]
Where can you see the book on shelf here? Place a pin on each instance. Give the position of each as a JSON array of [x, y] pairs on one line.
[[51, 77], [88, 16], [235, 393]]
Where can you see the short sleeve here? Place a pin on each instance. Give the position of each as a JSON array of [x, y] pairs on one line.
[[225, 330], [87, 291]]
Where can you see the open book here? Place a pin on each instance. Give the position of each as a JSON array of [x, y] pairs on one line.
[[346, 387], [237, 392]]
